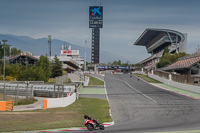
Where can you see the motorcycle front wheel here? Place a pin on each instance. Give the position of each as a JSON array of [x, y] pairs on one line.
[[102, 127], [90, 127]]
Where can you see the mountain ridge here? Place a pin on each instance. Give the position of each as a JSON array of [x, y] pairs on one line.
[[39, 47]]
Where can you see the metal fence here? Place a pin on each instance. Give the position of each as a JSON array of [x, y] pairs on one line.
[[82, 77], [31, 90], [78, 89], [62, 79], [17, 91]]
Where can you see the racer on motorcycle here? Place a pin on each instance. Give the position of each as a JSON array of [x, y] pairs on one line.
[[90, 118]]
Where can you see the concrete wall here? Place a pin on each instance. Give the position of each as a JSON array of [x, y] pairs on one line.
[[61, 102], [187, 87]]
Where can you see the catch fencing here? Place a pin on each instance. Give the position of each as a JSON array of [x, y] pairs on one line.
[[62, 79], [31, 90]]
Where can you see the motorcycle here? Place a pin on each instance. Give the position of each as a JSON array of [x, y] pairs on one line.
[[92, 125]]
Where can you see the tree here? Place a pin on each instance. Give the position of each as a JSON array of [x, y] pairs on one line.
[[166, 51], [7, 50], [33, 73], [57, 68], [13, 70], [125, 64], [44, 63], [15, 51], [137, 65], [1, 50], [115, 63], [168, 58]]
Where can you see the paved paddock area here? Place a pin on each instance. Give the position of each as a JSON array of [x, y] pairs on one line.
[[93, 92]]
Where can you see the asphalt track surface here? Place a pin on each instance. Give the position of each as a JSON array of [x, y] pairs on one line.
[[138, 107]]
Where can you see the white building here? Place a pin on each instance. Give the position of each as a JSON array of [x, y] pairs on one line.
[[70, 59]]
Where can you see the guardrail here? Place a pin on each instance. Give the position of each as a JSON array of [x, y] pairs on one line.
[[6, 105]]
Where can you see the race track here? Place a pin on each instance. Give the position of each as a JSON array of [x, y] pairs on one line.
[[138, 107]]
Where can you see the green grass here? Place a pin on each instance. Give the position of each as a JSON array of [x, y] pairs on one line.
[[25, 101], [92, 91], [189, 93], [71, 116], [146, 78], [94, 81]]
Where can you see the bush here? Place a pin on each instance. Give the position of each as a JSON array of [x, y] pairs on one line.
[[168, 59], [26, 101], [51, 80], [9, 78], [69, 80], [33, 73]]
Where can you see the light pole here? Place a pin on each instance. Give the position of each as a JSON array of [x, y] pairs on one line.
[[85, 56], [9, 50], [4, 44]]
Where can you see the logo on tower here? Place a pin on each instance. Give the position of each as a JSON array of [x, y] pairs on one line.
[[96, 13]]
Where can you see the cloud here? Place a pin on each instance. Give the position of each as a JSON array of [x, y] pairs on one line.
[[124, 21]]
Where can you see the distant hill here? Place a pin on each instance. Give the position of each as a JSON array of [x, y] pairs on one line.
[[40, 47]]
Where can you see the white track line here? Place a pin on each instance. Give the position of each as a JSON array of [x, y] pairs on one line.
[[140, 92], [134, 89]]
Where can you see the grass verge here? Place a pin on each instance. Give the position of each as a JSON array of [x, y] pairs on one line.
[[160, 84], [94, 81], [185, 92], [71, 116], [146, 78], [25, 101]]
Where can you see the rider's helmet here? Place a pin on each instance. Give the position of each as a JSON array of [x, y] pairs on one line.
[[85, 116]]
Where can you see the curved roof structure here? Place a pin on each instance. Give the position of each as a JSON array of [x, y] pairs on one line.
[[154, 38], [23, 59]]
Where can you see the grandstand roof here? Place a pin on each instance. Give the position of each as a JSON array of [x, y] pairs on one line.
[[150, 33], [24, 59], [185, 62]]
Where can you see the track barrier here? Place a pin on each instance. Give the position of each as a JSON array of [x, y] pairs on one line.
[[6, 105], [44, 104]]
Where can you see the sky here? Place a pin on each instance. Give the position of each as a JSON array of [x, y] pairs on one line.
[[123, 22]]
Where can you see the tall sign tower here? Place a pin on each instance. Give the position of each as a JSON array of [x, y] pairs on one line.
[[95, 22], [49, 43]]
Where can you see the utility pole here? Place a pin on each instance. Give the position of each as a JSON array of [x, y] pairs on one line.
[[10, 49], [4, 44], [85, 56]]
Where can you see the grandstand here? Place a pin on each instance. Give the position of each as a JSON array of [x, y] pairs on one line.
[[156, 40], [70, 59], [25, 58]]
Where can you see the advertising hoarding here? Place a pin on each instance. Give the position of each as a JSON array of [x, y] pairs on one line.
[[95, 24], [96, 13], [70, 52]]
